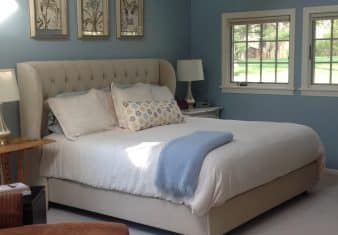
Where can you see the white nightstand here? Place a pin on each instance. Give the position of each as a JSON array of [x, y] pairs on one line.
[[208, 112]]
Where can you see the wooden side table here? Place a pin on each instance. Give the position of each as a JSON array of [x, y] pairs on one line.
[[19, 145]]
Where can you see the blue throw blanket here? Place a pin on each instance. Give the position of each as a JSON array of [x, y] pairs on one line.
[[181, 161]]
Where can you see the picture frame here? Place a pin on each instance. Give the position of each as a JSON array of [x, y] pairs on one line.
[[48, 19], [92, 19], [129, 19]]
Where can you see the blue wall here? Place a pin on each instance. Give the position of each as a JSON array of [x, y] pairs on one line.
[[167, 35], [321, 113]]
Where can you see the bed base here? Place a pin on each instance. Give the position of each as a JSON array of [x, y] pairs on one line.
[[178, 218]]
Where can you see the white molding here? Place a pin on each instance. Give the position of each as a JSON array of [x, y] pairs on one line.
[[259, 91], [307, 88], [331, 171], [278, 89]]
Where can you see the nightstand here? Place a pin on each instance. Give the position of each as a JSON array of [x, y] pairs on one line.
[[19, 145], [208, 112]]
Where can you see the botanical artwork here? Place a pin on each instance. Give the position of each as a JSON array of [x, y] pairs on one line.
[[130, 18], [92, 18], [48, 18], [48, 14]]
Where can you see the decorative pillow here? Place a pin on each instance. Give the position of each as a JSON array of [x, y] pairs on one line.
[[82, 114], [146, 114], [137, 92]]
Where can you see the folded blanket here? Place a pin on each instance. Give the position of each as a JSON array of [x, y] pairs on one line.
[[181, 160]]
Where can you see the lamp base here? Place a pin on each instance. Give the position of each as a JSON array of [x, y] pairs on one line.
[[4, 131], [189, 98], [4, 140]]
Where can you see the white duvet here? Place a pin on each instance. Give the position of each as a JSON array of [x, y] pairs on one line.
[[126, 161]]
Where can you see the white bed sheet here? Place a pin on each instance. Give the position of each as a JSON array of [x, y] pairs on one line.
[[125, 161]]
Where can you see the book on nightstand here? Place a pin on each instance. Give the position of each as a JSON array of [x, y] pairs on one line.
[[16, 187]]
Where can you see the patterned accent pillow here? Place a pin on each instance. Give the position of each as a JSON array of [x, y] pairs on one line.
[[146, 114]]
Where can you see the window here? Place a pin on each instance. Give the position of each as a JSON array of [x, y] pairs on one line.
[[258, 52], [320, 51]]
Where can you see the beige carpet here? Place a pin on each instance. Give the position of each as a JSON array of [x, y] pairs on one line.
[[310, 214]]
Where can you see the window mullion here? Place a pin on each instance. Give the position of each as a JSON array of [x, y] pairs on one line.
[[247, 53], [331, 50], [261, 54], [276, 51], [313, 51]]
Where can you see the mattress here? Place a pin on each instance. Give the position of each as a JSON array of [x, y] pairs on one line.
[[126, 161]]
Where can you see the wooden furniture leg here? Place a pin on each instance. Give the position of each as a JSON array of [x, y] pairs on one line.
[[5, 168]]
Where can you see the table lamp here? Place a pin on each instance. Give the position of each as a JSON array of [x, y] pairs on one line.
[[189, 71], [9, 92]]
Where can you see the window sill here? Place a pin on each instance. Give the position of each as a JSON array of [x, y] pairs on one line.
[[259, 90], [319, 92]]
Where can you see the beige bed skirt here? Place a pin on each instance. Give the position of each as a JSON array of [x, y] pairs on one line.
[[178, 218]]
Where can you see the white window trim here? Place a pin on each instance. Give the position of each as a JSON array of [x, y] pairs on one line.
[[275, 89], [307, 87]]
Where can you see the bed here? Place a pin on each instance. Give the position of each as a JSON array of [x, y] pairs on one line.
[[266, 164]]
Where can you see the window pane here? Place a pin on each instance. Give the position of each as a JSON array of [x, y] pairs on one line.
[[283, 31], [254, 32], [335, 28], [268, 51], [269, 31], [335, 73], [268, 73], [321, 74], [283, 52], [254, 73], [322, 50], [335, 51], [239, 73], [239, 52], [323, 29], [239, 32], [282, 73], [254, 52]]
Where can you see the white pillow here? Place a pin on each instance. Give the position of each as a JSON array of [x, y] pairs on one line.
[[107, 102], [161, 93], [137, 92], [82, 114]]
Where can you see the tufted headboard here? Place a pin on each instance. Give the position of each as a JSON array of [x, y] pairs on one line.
[[40, 80]]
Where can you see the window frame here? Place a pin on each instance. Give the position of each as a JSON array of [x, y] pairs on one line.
[[307, 88], [255, 88]]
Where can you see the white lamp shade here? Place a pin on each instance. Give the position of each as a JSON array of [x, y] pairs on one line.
[[190, 70], [9, 91]]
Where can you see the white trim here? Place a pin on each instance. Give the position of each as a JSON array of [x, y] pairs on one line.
[[331, 171], [307, 88], [259, 91], [278, 89]]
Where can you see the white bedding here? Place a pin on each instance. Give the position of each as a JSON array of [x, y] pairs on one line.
[[126, 161]]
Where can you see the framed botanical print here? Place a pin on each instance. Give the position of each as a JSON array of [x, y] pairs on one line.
[[92, 18], [48, 19], [129, 18]]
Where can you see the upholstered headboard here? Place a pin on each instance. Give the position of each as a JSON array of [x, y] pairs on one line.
[[40, 80]]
